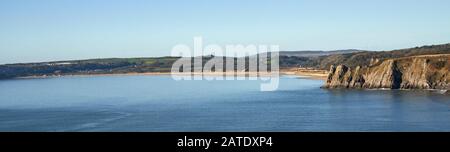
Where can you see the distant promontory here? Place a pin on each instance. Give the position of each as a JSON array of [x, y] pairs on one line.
[[417, 68]]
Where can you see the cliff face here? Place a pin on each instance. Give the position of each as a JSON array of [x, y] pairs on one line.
[[417, 72]]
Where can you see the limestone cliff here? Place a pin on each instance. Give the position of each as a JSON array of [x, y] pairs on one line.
[[416, 72]]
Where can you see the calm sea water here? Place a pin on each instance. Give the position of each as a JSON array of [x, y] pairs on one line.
[[158, 103]]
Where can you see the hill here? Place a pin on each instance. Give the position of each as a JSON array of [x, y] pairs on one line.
[[367, 58]]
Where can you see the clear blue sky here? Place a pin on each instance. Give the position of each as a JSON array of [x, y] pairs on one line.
[[43, 30]]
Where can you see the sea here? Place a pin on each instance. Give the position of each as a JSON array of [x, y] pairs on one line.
[[143, 103]]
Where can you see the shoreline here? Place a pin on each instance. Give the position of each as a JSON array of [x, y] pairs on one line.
[[246, 74], [309, 73]]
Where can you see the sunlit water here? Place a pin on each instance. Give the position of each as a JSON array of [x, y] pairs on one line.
[[158, 103]]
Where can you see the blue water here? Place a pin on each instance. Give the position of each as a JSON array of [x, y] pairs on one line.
[[158, 103]]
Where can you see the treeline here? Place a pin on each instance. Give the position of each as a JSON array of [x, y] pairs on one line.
[[106, 66], [94, 66]]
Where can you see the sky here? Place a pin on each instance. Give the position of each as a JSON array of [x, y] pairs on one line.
[[48, 30]]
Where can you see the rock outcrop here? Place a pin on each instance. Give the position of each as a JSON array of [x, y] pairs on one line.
[[417, 72]]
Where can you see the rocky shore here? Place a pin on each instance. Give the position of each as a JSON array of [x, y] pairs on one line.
[[416, 72]]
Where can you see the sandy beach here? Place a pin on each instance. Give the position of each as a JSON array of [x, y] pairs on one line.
[[310, 73], [313, 74]]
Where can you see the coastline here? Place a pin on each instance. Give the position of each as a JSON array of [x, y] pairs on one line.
[[311, 75]]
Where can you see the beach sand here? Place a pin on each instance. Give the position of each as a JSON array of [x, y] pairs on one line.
[[314, 74]]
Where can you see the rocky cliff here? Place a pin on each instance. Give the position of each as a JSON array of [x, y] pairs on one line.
[[416, 72]]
